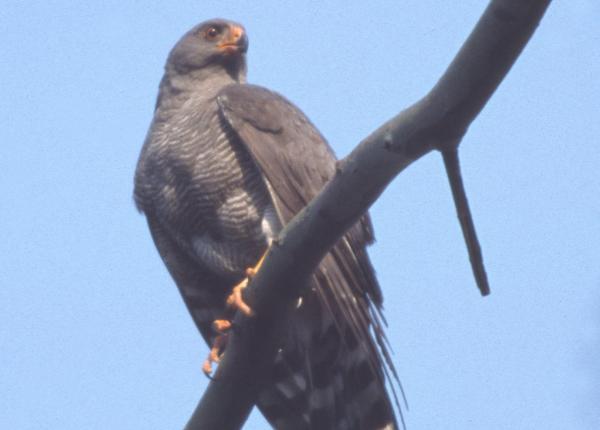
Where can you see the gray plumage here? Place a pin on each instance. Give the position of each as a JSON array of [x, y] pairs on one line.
[[224, 166]]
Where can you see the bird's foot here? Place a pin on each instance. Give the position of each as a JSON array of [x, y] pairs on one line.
[[214, 356], [235, 299]]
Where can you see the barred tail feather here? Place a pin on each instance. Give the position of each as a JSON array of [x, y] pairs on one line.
[[324, 379]]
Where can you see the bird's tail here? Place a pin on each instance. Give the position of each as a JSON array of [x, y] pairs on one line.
[[324, 378]]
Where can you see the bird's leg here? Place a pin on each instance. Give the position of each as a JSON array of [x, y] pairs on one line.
[[235, 299], [222, 326]]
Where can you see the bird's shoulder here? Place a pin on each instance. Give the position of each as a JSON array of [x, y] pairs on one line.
[[269, 112], [264, 109], [288, 149]]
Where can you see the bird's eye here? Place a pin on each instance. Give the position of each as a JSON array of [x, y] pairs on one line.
[[211, 33]]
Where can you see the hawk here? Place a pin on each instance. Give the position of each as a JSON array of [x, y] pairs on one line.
[[224, 166]]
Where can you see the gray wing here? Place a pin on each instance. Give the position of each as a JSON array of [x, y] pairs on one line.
[[296, 162], [288, 149]]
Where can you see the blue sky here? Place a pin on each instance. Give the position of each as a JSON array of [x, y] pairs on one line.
[[93, 333]]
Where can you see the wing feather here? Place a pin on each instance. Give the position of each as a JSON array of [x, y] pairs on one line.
[[296, 162]]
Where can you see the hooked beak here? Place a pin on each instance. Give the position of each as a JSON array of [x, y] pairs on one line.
[[236, 43]]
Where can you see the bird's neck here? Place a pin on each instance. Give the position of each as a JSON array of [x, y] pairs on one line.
[[176, 88]]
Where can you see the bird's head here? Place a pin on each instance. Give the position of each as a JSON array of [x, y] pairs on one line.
[[217, 43]]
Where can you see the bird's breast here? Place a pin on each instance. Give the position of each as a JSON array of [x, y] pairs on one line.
[[210, 190]]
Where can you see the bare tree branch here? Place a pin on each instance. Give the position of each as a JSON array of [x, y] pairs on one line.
[[466, 220], [438, 121]]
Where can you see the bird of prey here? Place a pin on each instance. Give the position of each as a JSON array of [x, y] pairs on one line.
[[224, 166]]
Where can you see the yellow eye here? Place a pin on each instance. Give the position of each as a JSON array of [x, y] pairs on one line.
[[211, 33]]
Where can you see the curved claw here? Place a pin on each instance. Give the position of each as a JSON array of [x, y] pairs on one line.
[[214, 356], [207, 367]]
